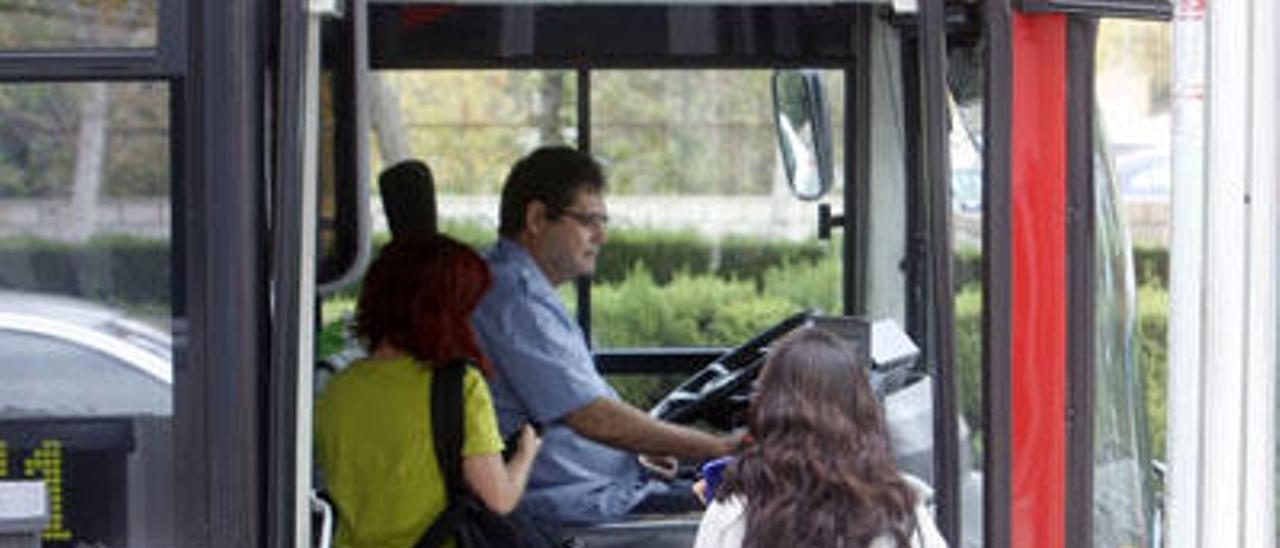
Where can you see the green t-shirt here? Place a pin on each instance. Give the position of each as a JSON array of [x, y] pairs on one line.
[[374, 442]]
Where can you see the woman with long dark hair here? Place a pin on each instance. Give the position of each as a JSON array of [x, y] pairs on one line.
[[373, 429], [820, 471]]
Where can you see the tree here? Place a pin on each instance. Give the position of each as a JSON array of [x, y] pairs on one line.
[[384, 113], [37, 121], [91, 141], [91, 146], [547, 111]]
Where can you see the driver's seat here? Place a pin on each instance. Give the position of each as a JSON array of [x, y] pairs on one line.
[[408, 192]]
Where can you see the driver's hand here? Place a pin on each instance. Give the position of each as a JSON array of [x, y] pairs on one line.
[[734, 441], [664, 467]]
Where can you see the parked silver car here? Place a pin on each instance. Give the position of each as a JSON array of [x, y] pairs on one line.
[[61, 357]]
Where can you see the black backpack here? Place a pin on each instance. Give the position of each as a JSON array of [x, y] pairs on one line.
[[465, 517]]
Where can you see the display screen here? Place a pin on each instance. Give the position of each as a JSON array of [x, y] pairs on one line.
[[83, 463]]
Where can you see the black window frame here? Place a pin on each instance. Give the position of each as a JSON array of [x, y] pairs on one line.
[[219, 61], [539, 46], [166, 62], [1143, 9]]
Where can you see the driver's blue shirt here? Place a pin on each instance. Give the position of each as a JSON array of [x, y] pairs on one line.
[[545, 371]]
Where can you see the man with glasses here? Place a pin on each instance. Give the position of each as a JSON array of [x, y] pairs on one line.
[[552, 225]]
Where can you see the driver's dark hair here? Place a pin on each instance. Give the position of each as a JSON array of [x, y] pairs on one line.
[[820, 471], [551, 175]]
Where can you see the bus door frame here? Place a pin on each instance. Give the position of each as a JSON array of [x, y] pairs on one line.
[[1038, 267], [932, 164]]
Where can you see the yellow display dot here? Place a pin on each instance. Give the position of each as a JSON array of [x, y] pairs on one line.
[[45, 462]]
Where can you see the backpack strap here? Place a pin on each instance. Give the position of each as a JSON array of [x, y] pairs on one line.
[[447, 435], [446, 422]]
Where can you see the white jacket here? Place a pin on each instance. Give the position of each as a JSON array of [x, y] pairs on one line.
[[725, 522]]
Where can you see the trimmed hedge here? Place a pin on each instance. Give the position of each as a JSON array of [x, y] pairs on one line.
[[690, 310], [966, 267], [118, 269], [661, 253], [968, 357], [1150, 265], [137, 271], [1153, 360], [665, 253]]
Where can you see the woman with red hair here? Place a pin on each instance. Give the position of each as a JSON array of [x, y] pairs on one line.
[[373, 433]]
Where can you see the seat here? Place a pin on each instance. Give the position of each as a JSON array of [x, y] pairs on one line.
[[408, 192]]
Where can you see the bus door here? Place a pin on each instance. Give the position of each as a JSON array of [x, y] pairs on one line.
[[708, 239], [763, 162]]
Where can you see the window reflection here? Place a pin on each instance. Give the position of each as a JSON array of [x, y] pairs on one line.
[[86, 398], [43, 24], [965, 155], [1121, 486]]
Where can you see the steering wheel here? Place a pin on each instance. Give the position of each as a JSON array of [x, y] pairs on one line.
[[718, 393]]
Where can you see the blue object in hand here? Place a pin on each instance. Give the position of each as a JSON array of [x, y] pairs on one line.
[[712, 471]]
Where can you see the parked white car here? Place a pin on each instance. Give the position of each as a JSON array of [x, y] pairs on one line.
[[61, 357]]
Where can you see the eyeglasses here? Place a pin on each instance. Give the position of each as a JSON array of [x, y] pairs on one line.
[[587, 219]]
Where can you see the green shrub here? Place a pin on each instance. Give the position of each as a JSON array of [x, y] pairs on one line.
[[335, 315], [750, 258], [966, 267], [633, 313], [807, 285], [737, 321], [968, 355], [477, 235], [331, 339], [661, 252], [643, 390], [124, 270], [1151, 265], [692, 310], [1153, 360], [665, 252]]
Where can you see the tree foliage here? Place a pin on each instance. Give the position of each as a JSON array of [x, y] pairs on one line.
[[470, 126], [40, 122], [26, 24], [1138, 49], [658, 132], [38, 128]]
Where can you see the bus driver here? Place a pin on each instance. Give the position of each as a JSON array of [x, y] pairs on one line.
[[551, 228]]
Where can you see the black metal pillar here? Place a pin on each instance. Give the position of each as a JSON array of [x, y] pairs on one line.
[[222, 378]]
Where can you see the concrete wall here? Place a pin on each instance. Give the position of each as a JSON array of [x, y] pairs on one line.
[[711, 215], [47, 218]]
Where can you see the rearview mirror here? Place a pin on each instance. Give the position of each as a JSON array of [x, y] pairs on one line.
[[802, 122]]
